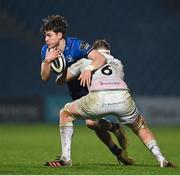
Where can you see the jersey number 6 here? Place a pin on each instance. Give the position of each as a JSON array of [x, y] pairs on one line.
[[106, 70]]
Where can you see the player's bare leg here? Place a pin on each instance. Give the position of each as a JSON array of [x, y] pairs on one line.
[[140, 128], [66, 132], [101, 128], [115, 128]]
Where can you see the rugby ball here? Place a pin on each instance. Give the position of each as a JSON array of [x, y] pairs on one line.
[[59, 64]]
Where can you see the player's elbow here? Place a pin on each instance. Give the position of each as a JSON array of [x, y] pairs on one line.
[[97, 57], [101, 61], [44, 77]]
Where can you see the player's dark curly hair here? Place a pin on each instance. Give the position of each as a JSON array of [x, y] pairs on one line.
[[101, 44], [55, 23]]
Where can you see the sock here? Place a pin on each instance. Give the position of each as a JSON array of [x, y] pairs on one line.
[[115, 150], [66, 133], [154, 148]]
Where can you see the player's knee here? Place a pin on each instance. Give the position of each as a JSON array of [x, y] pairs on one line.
[[95, 125], [91, 124], [65, 117], [64, 111], [138, 124]]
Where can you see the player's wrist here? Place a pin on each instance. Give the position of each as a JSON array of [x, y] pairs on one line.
[[90, 67], [48, 61]]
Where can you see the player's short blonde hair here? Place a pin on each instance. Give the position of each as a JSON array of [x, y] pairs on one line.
[[101, 44]]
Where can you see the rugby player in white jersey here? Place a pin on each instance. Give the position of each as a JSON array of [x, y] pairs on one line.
[[108, 95]]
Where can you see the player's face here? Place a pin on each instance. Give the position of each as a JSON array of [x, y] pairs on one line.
[[52, 39]]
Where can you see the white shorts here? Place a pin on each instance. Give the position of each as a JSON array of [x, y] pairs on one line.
[[98, 104]]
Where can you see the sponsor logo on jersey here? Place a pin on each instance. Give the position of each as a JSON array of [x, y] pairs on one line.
[[84, 45], [69, 58], [110, 83]]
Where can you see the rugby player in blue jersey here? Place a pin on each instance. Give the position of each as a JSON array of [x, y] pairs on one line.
[[54, 28]]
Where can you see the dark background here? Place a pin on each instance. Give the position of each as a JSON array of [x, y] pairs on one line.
[[145, 35]]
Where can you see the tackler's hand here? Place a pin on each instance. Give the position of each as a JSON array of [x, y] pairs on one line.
[[85, 78]]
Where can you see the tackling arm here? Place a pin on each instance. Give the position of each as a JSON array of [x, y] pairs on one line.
[[98, 61]]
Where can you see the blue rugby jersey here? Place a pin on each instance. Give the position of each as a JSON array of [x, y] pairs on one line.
[[75, 49]]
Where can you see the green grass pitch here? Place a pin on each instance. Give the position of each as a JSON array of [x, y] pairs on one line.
[[24, 149]]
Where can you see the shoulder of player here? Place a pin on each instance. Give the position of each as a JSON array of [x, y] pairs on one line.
[[114, 61], [44, 47], [73, 42], [43, 51], [71, 39], [81, 44]]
